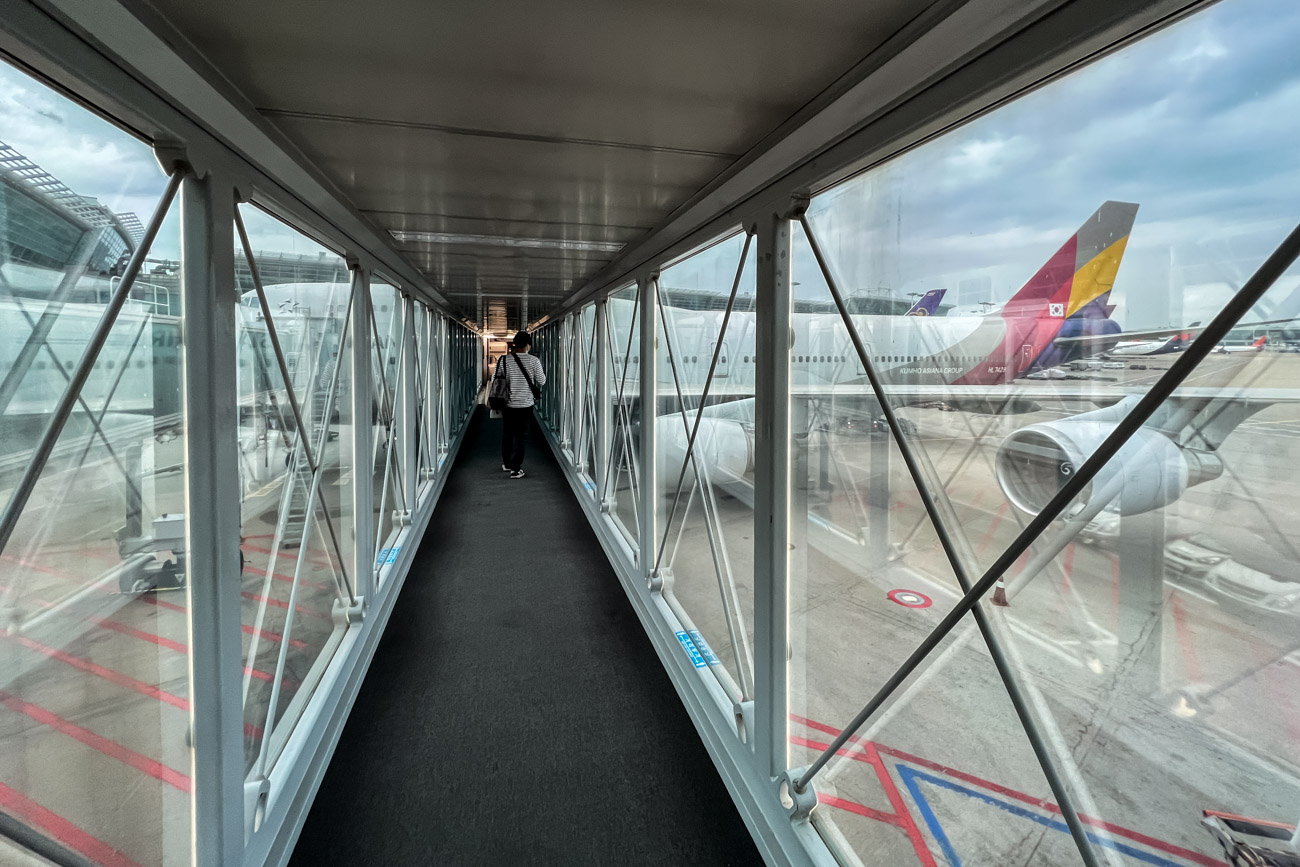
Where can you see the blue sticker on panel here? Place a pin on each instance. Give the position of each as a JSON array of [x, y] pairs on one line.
[[383, 554], [689, 647], [704, 648], [392, 554]]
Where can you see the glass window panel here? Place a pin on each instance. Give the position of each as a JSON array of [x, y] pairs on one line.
[[423, 394], [622, 480], [386, 366], [1177, 606], [944, 774], [587, 416], [298, 540], [1082, 234], [707, 548], [94, 686]]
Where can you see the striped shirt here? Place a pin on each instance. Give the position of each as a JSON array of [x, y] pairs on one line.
[[520, 394]]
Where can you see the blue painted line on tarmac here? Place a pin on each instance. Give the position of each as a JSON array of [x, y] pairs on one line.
[[909, 777]]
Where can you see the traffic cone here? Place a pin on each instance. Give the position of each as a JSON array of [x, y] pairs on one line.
[[1000, 593]]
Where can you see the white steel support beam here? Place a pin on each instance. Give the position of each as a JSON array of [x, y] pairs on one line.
[[409, 408], [648, 293], [363, 436], [209, 300], [603, 415], [443, 332], [566, 380], [772, 492]]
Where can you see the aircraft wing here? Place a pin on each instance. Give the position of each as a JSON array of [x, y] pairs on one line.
[[1156, 333], [1084, 391]]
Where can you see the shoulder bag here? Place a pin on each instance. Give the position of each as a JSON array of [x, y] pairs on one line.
[[499, 393]]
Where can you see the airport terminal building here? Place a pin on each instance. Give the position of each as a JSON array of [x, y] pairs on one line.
[[908, 461]]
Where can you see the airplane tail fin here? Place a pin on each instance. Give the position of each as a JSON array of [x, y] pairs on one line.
[[927, 304], [1097, 309], [1259, 344], [1082, 271], [1178, 341]]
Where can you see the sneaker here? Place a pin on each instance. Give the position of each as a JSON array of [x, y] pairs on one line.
[[504, 468], [516, 474]]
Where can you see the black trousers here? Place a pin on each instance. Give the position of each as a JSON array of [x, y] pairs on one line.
[[514, 430]]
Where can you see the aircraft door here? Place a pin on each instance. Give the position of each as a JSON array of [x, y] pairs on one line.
[[1026, 356], [724, 359]]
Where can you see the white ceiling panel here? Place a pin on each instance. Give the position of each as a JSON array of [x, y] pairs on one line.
[[524, 119]]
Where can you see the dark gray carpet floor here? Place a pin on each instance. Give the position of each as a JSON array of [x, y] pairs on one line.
[[515, 712]]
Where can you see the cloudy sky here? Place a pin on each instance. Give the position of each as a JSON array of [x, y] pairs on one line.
[[1199, 125], [95, 158]]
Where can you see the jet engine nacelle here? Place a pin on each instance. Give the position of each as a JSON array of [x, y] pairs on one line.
[[1149, 471], [723, 448]]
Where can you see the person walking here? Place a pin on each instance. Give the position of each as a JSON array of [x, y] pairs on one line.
[[524, 373]]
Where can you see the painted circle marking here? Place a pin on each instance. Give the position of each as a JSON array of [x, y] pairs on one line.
[[910, 598]]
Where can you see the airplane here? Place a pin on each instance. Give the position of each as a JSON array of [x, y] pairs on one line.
[[1257, 346], [959, 362], [927, 304], [1173, 343], [1058, 315]]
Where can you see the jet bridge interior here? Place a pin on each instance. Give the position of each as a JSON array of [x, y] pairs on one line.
[[927, 373]]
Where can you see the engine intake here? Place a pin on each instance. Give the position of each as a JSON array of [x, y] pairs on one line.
[[723, 446], [1149, 471]]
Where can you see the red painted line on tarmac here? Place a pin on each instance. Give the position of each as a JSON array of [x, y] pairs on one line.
[[1067, 568], [175, 645], [1118, 830], [53, 825], [855, 807], [993, 528], [112, 749], [292, 555], [108, 674], [285, 605], [903, 817], [280, 576], [851, 806], [117, 678], [152, 599], [272, 636], [168, 643], [37, 567], [139, 633], [1185, 641]]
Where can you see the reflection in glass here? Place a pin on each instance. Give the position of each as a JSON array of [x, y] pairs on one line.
[[387, 314], [94, 684], [588, 406], [1151, 626], [622, 479], [295, 451], [707, 549]]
